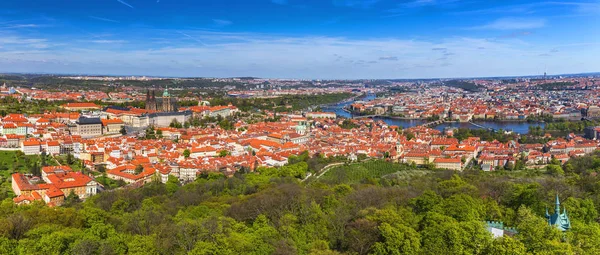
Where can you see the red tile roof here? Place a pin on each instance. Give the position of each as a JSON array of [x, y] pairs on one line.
[[447, 160], [69, 180], [82, 105]]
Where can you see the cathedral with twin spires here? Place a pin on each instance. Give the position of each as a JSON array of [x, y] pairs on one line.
[[166, 103]]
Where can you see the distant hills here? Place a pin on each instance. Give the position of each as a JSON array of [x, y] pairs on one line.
[[465, 85], [367, 81]]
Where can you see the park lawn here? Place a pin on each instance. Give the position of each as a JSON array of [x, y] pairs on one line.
[[359, 172], [75, 165], [7, 161], [7, 155], [109, 183], [9, 105], [16, 162]]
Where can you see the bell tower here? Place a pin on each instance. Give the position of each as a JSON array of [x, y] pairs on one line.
[[399, 148], [167, 106]]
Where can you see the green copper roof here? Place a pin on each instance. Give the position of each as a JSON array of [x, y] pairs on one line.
[[559, 220], [166, 93]]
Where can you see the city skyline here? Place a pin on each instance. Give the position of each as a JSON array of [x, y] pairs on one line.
[[339, 39]]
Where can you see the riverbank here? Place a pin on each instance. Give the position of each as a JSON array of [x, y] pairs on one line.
[[520, 127], [344, 102], [356, 116]]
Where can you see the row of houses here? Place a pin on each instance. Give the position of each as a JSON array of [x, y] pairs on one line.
[[56, 184]]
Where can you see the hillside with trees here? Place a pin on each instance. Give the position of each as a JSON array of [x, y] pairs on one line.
[[283, 103], [271, 211], [556, 85], [465, 85], [56, 83]]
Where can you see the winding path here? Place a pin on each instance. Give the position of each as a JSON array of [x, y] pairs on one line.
[[324, 170], [328, 167], [332, 165]]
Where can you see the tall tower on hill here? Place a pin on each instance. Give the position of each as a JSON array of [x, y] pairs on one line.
[[167, 105], [150, 100]]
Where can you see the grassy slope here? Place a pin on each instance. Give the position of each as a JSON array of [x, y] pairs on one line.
[[358, 172]]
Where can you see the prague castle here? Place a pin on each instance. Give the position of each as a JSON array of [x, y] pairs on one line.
[[164, 104]]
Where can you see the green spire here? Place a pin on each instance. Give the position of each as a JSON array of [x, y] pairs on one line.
[[557, 206], [166, 93], [558, 219]]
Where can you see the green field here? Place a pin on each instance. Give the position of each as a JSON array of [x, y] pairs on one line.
[[15, 161], [11, 162], [361, 172]]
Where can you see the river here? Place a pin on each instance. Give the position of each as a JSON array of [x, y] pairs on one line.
[[517, 127]]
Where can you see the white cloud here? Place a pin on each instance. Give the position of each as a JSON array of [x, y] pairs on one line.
[[20, 26], [355, 3], [17, 40], [104, 19], [108, 41], [567, 8], [298, 57], [281, 2], [389, 58], [222, 22], [513, 24], [421, 3], [125, 3], [588, 8], [406, 7], [191, 37]]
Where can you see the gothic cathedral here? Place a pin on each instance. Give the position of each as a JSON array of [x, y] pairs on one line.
[[164, 104]]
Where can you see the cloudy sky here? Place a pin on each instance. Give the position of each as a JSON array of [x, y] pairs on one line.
[[300, 38]]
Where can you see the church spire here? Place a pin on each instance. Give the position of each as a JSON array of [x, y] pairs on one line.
[[166, 93], [558, 219], [557, 205]]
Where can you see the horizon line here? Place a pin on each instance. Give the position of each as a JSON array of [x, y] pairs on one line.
[[280, 78]]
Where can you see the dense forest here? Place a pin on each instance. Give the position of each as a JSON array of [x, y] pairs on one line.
[[283, 103], [55, 83], [570, 126], [271, 211], [556, 85], [465, 85]]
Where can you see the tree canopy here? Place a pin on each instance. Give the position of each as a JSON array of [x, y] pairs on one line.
[[271, 211]]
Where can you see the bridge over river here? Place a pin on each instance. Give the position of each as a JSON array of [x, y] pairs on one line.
[[521, 127], [431, 124], [439, 122], [482, 126]]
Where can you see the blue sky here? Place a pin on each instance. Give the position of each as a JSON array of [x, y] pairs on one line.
[[300, 38]]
